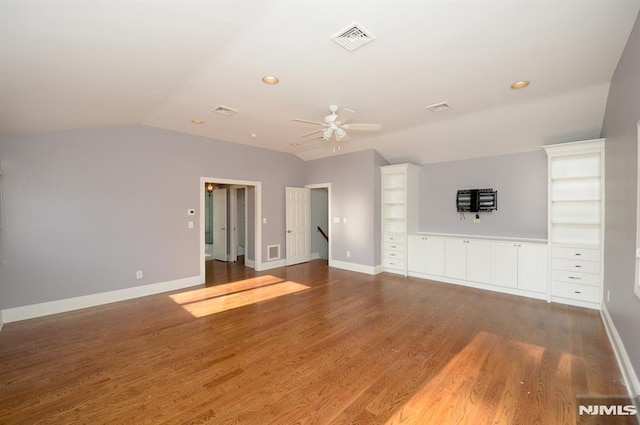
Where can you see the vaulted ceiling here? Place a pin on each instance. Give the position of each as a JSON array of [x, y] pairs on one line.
[[68, 64]]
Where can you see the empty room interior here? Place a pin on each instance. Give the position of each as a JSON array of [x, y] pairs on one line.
[[322, 212]]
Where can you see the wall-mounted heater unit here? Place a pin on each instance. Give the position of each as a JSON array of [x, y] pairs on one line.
[[476, 200]]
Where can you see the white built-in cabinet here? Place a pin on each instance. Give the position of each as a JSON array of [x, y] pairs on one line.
[[399, 214], [512, 266], [468, 259], [426, 255], [520, 265], [576, 221]]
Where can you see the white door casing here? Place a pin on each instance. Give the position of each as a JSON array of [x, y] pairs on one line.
[[220, 224], [298, 219]]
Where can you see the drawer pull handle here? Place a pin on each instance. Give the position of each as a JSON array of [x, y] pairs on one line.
[[574, 278], [393, 255], [577, 266], [393, 246], [577, 254], [577, 292]]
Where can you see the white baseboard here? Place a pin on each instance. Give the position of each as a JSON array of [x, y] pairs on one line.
[[628, 373], [1, 320], [315, 256], [60, 306], [249, 263], [272, 265], [358, 268]]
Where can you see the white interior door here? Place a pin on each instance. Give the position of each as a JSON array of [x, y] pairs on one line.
[[298, 219], [220, 224]]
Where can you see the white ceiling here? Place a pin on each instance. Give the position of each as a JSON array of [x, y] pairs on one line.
[[85, 64]]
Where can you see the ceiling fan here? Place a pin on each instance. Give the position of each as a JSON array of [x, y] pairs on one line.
[[335, 126]]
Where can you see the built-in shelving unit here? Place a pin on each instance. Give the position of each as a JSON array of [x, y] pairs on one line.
[[576, 221], [399, 214]]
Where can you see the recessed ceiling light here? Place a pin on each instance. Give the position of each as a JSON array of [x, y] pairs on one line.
[[519, 85], [294, 144], [270, 79], [197, 122]]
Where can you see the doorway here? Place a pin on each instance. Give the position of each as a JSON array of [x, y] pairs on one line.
[[230, 222], [307, 223], [320, 223]]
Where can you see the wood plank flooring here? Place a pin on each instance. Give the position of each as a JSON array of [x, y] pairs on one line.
[[308, 344]]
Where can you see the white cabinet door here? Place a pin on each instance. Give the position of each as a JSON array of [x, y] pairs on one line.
[[417, 255], [435, 256], [455, 258], [532, 267], [505, 264], [479, 261]]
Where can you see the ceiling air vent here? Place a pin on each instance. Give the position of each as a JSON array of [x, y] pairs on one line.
[[352, 37], [439, 107], [224, 110]]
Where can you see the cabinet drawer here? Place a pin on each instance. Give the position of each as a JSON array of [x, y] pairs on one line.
[[393, 254], [394, 246], [584, 254], [575, 292], [575, 277], [393, 263], [576, 265], [393, 237]]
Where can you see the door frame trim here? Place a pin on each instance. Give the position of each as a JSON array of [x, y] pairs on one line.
[[257, 185]]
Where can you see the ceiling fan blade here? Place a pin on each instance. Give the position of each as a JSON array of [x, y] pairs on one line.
[[309, 122], [313, 132], [344, 139], [362, 127], [344, 116]]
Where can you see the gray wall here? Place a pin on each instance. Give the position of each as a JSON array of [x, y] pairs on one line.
[[85, 209], [620, 129], [355, 188], [521, 182]]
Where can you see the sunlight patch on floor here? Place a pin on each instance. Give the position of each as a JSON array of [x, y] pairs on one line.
[[460, 392], [216, 299]]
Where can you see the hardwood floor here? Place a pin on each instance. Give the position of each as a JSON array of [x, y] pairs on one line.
[[308, 344]]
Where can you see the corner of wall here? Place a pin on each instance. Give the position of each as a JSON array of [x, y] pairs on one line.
[[624, 362]]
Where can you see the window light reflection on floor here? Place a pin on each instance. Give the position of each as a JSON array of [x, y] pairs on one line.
[[460, 391], [215, 299]]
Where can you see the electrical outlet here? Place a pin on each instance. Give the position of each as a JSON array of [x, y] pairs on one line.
[[139, 274], [348, 254], [190, 225], [476, 220]]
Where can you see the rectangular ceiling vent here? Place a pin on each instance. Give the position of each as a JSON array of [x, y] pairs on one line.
[[439, 107], [225, 110], [352, 37]]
